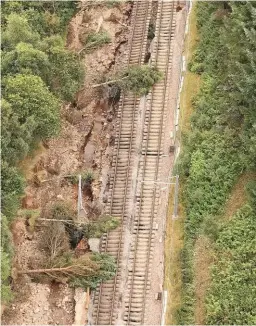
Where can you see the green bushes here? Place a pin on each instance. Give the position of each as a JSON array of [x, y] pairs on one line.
[[30, 99], [6, 257], [87, 178], [231, 298], [111, 3], [217, 149], [63, 263], [102, 225], [37, 74], [12, 184], [141, 79], [96, 40]]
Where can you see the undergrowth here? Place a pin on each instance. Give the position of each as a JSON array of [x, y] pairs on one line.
[[96, 40], [219, 147]]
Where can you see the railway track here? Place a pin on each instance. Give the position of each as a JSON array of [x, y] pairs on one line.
[[151, 151], [109, 295]]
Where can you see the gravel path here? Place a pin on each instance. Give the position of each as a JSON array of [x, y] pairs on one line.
[[153, 306]]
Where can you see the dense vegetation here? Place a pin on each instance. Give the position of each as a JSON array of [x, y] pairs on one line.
[[38, 73], [220, 146]]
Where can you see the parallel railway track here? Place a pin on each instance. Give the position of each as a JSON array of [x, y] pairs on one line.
[[151, 151], [107, 296]]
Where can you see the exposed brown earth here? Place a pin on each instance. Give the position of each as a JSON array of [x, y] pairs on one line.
[[84, 142]]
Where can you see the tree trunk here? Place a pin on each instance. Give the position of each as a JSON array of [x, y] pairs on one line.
[[109, 82], [45, 270]]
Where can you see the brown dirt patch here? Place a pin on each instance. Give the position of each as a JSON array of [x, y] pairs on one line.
[[238, 195], [203, 259], [173, 247]]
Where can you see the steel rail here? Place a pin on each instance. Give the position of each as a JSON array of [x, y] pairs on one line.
[[128, 319], [140, 53]]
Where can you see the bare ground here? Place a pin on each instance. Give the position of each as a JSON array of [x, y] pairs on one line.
[[83, 143]]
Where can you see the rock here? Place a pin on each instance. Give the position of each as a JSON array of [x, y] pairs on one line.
[[118, 32], [28, 202], [94, 244], [19, 232], [36, 310], [109, 118], [86, 17], [29, 236], [60, 197], [112, 17], [39, 177], [100, 21], [128, 9], [54, 167]]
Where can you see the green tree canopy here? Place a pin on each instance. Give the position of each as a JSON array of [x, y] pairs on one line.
[[25, 59], [18, 30], [12, 184], [16, 137], [29, 97], [66, 73]]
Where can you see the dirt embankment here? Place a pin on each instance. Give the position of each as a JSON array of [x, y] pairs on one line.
[[85, 142]]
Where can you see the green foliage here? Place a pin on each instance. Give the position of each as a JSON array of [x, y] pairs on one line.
[[251, 191], [106, 270], [61, 211], [6, 256], [44, 17], [217, 149], [37, 72], [96, 40], [66, 74], [25, 59], [12, 189], [140, 79], [6, 293], [111, 3], [18, 30], [231, 298], [84, 271], [100, 226], [30, 99], [209, 182], [87, 178], [31, 216], [16, 137]]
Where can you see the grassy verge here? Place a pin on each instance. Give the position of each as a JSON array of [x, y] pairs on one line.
[[175, 228], [191, 80], [214, 168], [173, 247]]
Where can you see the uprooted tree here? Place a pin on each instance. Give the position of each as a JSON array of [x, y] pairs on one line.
[[105, 223], [138, 79], [85, 271]]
